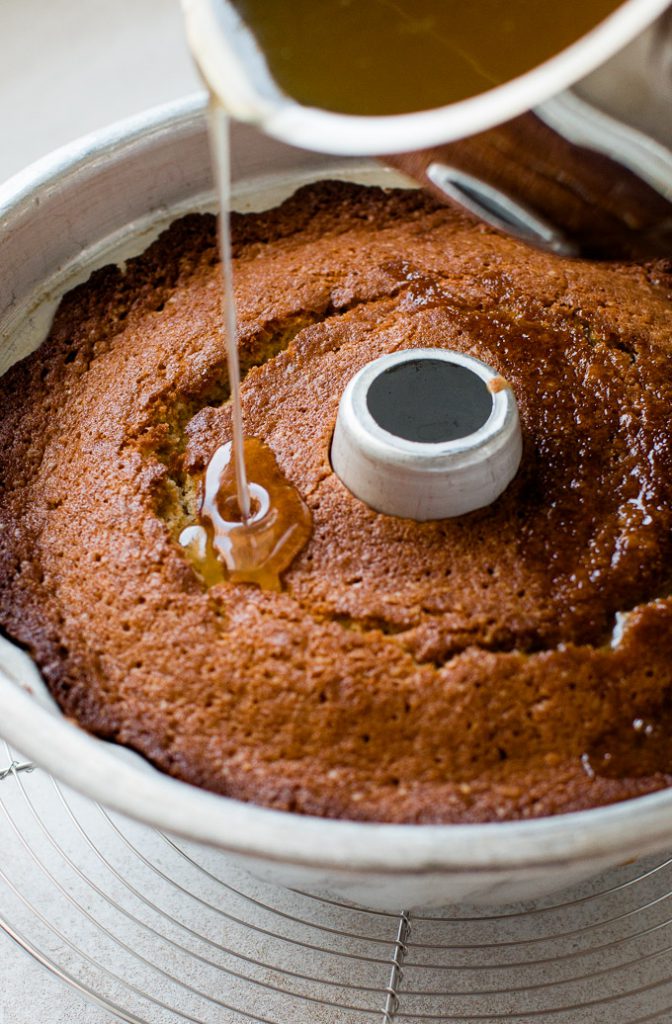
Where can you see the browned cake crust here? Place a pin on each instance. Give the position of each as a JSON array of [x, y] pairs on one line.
[[442, 671]]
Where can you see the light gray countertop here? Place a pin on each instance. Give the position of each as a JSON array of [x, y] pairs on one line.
[[68, 67]]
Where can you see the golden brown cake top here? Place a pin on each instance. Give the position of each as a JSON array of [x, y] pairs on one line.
[[443, 671]]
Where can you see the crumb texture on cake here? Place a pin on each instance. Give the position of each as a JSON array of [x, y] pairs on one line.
[[443, 671]]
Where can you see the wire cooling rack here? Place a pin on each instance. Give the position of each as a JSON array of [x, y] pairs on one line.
[[157, 930]]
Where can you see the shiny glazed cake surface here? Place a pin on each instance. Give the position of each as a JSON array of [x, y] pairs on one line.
[[464, 670]]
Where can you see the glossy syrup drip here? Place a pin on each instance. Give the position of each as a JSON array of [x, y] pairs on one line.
[[252, 520], [222, 545], [250, 526], [221, 159], [640, 748]]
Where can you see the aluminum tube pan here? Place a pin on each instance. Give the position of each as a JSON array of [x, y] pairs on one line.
[[58, 219]]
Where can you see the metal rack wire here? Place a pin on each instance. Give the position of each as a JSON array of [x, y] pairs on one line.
[[155, 929]]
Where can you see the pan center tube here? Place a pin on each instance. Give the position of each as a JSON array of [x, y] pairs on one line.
[[427, 434]]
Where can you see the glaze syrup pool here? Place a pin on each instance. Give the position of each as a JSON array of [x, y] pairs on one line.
[[635, 748], [224, 546]]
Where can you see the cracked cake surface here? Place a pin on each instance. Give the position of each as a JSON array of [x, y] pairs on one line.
[[472, 669]]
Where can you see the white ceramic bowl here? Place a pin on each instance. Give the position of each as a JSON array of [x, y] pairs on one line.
[[230, 62], [103, 198]]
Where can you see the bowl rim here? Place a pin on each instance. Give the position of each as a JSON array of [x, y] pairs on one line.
[[238, 75], [125, 782]]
